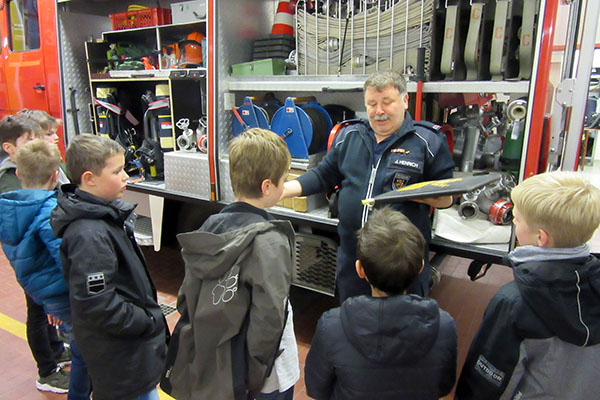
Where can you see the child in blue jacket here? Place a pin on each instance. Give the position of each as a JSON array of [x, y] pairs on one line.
[[33, 250]]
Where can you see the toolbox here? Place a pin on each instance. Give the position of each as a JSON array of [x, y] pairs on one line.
[[270, 66], [273, 46], [188, 11], [188, 173]]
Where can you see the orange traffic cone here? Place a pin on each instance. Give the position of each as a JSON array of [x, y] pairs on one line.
[[284, 19]]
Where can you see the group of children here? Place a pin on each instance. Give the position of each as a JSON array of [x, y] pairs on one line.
[[75, 255], [20, 209]]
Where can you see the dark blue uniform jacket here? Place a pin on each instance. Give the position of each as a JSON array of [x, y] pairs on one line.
[[414, 154]]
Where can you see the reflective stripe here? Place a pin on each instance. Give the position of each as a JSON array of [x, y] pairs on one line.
[[117, 110], [587, 330], [426, 143], [365, 214], [162, 103]]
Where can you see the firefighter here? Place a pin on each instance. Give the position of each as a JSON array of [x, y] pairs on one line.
[[370, 157]]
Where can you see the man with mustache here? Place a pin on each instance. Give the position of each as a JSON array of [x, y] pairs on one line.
[[370, 157]]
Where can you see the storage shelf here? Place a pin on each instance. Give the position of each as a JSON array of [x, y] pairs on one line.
[[145, 75], [517, 87], [147, 28], [355, 83], [181, 24], [140, 79]]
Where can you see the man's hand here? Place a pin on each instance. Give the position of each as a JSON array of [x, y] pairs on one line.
[[291, 188], [437, 202]]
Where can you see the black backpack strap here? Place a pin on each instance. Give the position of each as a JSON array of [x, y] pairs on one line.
[[172, 350]]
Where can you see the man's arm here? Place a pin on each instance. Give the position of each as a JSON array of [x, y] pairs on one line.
[[440, 166], [94, 298], [494, 352], [324, 177], [319, 374], [291, 188], [437, 202]]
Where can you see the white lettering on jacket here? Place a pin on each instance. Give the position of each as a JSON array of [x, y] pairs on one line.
[[488, 371], [407, 163]]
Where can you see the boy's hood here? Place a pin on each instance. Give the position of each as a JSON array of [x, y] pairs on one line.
[[6, 164], [392, 329], [565, 295], [209, 256], [74, 204], [18, 209]]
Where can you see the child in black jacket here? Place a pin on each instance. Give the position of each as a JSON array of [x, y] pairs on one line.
[[540, 334], [390, 345], [117, 321]]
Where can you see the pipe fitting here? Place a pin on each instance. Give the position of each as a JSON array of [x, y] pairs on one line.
[[501, 212], [468, 210]]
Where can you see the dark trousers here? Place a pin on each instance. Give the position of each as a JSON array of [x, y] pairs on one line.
[[347, 282], [79, 380], [42, 338]]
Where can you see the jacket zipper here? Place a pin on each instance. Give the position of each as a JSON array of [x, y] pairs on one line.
[[365, 213]]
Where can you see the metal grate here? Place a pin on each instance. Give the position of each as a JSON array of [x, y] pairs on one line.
[[143, 231], [167, 309], [316, 259]]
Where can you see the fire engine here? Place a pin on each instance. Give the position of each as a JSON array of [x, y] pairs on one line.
[[174, 81]]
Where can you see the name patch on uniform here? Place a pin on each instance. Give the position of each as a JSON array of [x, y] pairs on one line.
[[488, 371], [95, 283], [407, 163]]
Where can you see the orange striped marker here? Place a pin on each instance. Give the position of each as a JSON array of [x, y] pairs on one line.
[[284, 19]]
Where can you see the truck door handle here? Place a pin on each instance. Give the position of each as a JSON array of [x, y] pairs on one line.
[[39, 88]]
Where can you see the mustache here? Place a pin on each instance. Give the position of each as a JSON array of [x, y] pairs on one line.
[[383, 117]]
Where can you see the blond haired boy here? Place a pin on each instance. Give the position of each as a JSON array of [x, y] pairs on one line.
[[117, 321], [235, 339], [540, 335], [15, 131], [37, 164]]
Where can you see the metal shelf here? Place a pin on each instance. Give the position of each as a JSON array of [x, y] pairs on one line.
[[516, 87], [140, 79], [354, 83], [486, 253], [145, 75], [181, 24], [155, 27], [319, 215]]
